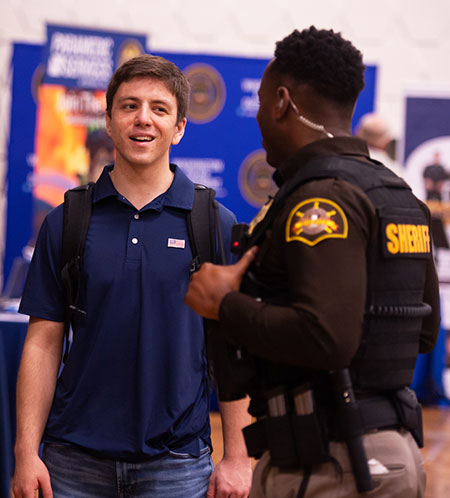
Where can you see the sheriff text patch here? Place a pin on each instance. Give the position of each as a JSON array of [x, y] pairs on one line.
[[407, 239]]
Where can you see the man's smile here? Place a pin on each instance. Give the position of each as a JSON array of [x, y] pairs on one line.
[[145, 138]]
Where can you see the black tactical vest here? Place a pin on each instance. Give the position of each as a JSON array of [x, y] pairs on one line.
[[396, 269]]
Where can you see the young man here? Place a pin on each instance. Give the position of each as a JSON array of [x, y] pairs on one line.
[[341, 288], [129, 413]]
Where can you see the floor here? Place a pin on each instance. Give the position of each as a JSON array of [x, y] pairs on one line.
[[436, 451]]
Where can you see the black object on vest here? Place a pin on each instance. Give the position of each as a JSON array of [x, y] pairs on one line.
[[394, 307], [203, 226]]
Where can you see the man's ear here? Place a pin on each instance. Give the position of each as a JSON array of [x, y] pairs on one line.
[[108, 123], [180, 127]]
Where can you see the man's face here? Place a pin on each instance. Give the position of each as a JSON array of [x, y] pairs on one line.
[[266, 118], [143, 123]]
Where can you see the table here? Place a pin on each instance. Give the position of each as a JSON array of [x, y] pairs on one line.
[[428, 382], [13, 328]]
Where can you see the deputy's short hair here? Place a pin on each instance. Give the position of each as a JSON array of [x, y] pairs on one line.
[[323, 60]]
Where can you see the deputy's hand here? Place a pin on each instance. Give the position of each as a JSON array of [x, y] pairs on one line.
[[210, 284]]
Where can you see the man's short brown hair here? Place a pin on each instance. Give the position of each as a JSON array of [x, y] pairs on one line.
[[151, 66]]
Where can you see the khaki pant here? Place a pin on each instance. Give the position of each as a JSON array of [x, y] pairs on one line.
[[399, 472]]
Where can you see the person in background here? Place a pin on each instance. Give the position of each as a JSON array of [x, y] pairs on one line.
[[101, 152], [375, 131], [435, 177]]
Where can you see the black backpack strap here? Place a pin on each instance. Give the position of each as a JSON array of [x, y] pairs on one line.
[[202, 226], [205, 233], [77, 210]]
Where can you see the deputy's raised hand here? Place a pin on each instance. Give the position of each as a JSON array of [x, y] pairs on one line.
[[210, 284]]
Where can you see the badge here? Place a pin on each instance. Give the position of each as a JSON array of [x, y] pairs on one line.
[[260, 215], [316, 219]]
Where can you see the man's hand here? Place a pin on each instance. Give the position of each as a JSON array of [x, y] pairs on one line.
[[232, 477], [210, 284], [30, 475]]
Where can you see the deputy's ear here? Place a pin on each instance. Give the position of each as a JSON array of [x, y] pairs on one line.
[[282, 101]]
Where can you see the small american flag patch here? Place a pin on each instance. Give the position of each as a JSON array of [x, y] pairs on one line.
[[177, 243]]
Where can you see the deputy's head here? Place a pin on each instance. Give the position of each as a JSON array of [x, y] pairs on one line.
[[308, 91]]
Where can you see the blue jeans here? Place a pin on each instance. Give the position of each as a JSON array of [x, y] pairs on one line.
[[76, 474]]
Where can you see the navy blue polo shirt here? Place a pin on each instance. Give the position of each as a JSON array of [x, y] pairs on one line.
[[135, 383]]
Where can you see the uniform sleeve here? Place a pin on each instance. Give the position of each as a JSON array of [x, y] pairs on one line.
[[320, 326], [43, 295]]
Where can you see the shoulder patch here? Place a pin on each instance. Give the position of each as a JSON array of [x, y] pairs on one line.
[[316, 219]]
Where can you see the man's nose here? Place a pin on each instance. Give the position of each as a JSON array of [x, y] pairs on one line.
[[144, 116]]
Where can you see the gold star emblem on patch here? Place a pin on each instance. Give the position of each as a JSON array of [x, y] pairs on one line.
[[316, 219]]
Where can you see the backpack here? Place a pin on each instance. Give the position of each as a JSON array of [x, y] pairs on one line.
[[203, 227]]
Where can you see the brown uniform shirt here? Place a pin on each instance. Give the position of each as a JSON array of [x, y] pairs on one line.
[[325, 279]]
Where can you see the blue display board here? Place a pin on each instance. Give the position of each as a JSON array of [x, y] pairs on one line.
[[27, 72], [426, 150], [85, 58]]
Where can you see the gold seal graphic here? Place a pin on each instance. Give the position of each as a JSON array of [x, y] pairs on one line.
[[208, 93], [128, 49], [255, 179]]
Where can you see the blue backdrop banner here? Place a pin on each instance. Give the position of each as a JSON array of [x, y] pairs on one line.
[[221, 147], [27, 72]]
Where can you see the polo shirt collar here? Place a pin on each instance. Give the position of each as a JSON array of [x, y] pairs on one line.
[[180, 194], [348, 146]]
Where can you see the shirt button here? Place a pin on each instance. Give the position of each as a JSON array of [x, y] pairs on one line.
[[134, 240], [136, 216]]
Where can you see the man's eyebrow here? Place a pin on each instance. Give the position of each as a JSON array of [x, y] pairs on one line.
[[128, 97], [137, 99], [161, 101]]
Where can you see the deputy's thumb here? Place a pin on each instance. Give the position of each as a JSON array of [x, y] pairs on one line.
[[246, 260]]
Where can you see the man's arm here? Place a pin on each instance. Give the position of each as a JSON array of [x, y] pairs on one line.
[[233, 474], [41, 358]]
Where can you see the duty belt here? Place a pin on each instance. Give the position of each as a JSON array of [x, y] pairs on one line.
[[377, 412], [400, 409]]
